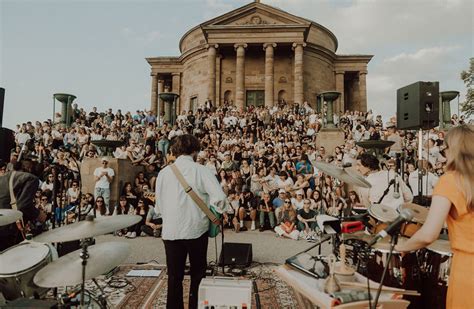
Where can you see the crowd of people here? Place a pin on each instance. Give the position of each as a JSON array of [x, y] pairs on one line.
[[262, 157]]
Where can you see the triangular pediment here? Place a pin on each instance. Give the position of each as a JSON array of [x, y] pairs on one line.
[[256, 14]]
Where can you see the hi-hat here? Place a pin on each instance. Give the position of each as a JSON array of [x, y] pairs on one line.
[[67, 270], [88, 228], [8, 216], [343, 174]]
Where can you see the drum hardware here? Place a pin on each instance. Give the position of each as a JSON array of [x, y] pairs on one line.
[[393, 243], [331, 285]]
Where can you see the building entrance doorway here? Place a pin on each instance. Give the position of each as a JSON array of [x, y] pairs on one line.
[[255, 98]]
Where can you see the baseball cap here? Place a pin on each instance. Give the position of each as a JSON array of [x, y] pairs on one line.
[[281, 191], [105, 159]]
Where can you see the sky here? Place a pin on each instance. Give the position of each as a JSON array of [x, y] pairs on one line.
[[96, 49]]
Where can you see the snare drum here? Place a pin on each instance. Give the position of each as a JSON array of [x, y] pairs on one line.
[[19, 264], [436, 264], [420, 214], [380, 215]]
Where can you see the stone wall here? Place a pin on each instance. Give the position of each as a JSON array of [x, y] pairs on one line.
[[318, 76], [194, 81]]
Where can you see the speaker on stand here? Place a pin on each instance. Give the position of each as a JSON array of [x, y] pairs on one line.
[[418, 106]]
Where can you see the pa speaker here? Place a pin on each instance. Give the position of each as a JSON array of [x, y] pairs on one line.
[[418, 106], [238, 254], [7, 143]]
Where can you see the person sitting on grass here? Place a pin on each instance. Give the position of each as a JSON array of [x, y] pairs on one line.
[[287, 227], [307, 220], [153, 223]]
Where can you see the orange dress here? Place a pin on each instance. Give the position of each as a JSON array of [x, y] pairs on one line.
[[461, 236]]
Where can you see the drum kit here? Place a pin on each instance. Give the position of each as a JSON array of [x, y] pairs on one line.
[[32, 268], [425, 270]]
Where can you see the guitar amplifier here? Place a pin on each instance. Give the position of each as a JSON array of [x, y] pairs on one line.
[[225, 292]]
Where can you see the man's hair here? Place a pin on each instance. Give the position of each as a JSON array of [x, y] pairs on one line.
[[184, 145], [369, 161]]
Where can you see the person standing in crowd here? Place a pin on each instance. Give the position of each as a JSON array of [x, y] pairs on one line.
[[103, 177], [185, 226], [453, 201]]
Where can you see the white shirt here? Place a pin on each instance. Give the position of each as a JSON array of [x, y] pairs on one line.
[[182, 218], [430, 179], [379, 181], [103, 182]]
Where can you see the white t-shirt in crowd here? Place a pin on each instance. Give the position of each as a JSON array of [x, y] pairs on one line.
[[103, 182]]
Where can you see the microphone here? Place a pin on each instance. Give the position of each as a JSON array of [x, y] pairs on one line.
[[396, 192], [405, 215]]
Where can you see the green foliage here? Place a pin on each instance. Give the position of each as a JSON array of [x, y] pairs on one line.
[[467, 106]]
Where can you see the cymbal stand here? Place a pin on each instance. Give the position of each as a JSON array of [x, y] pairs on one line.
[[84, 257], [393, 243], [102, 297]]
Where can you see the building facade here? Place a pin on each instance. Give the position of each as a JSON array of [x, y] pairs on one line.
[[259, 55]]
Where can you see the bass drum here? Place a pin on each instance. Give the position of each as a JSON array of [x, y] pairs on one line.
[[436, 265], [18, 266]]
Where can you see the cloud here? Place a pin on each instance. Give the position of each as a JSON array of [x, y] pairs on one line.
[[423, 54]]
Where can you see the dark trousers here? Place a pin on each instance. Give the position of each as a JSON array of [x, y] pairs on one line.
[[176, 253]]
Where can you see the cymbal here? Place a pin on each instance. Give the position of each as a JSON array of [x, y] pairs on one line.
[[344, 174], [88, 229], [8, 216], [377, 144], [67, 270]]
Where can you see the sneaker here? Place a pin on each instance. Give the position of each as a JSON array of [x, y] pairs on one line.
[[128, 234], [157, 233], [253, 226], [243, 228], [143, 234], [132, 235], [261, 229]]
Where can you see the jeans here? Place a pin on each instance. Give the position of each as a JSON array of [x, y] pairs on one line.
[[163, 145], [105, 193], [302, 226], [176, 253], [271, 218]]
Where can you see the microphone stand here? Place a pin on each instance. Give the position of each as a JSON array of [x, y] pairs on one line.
[[393, 243]]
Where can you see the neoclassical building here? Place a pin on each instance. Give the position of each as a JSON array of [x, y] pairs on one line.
[[259, 55]]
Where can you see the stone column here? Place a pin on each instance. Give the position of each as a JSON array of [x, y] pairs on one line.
[[154, 93], [269, 74], [161, 89], [218, 80], [211, 57], [340, 88], [240, 75], [176, 88], [362, 91], [298, 74]]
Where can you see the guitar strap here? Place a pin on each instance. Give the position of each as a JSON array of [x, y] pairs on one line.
[[189, 190], [13, 203]]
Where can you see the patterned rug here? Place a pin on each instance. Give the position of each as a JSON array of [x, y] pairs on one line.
[[150, 292], [273, 292]]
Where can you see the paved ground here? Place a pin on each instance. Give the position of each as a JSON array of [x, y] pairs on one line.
[[265, 245]]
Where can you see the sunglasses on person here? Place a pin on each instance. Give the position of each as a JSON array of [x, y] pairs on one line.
[[287, 202]]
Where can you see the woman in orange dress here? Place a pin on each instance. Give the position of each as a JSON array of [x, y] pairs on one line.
[[453, 201]]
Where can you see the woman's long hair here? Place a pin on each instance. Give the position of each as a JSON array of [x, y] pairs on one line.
[[460, 145]]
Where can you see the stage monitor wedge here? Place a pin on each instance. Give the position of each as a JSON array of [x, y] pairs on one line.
[[418, 106], [236, 254]]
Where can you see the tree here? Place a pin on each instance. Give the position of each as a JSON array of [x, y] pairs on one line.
[[467, 106]]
